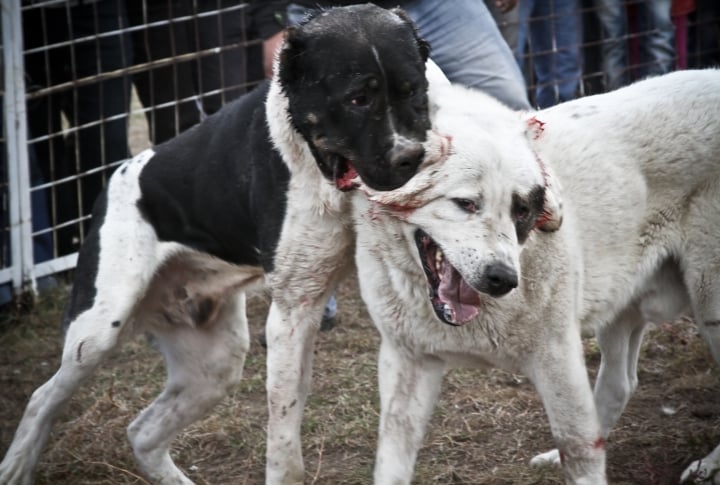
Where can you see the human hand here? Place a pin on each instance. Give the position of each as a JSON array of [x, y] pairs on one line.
[[270, 46], [505, 5]]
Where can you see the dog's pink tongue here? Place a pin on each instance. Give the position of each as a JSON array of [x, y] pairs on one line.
[[346, 181], [453, 291]]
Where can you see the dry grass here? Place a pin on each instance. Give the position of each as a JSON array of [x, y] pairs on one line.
[[486, 427]]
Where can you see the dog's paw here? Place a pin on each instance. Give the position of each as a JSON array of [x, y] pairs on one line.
[[702, 471], [551, 457]]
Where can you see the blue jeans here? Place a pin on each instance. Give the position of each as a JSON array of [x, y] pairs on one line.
[[657, 40], [553, 30], [467, 45], [330, 308]]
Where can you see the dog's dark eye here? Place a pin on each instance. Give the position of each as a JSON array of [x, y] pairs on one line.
[[360, 100], [521, 212], [467, 205], [407, 90]]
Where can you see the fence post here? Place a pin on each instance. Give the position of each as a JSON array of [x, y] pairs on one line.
[[15, 124]]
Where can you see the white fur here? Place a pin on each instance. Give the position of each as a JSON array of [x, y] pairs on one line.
[[636, 176]]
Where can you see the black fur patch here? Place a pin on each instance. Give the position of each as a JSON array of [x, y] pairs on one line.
[[371, 92], [525, 211], [84, 290]]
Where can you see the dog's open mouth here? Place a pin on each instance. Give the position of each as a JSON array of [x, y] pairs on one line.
[[454, 301], [344, 174]]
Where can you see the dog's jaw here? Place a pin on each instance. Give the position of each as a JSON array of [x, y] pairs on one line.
[[344, 174], [296, 153], [454, 301], [293, 148]]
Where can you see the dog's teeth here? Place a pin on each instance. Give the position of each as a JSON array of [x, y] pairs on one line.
[[449, 314], [438, 259]]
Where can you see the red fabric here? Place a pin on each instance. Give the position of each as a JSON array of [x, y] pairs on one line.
[[682, 7]]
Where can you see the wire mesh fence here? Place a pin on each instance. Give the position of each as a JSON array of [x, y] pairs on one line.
[[86, 83]]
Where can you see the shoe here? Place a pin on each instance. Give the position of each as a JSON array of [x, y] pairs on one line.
[[328, 323]]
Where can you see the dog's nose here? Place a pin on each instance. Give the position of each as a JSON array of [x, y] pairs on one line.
[[498, 279], [405, 155]]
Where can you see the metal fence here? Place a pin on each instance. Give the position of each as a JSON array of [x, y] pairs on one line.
[[87, 83]]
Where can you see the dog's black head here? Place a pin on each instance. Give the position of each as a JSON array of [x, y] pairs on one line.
[[355, 81]]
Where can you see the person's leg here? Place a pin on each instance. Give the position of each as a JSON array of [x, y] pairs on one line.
[[328, 321], [657, 43], [507, 22], [555, 41], [168, 91], [224, 72], [44, 67], [615, 42], [97, 111], [469, 48]]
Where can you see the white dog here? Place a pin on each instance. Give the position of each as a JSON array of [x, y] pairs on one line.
[[602, 213]]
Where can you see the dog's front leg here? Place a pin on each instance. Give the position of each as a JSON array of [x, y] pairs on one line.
[[558, 372], [409, 388], [617, 380], [312, 256], [290, 342]]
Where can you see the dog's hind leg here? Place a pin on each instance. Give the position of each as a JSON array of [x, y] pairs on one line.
[[703, 283], [409, 389], [97, 317], [202, 361], [91, 337], [619, 344]]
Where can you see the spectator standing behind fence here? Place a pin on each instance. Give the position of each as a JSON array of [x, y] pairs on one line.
[[64, 44], [506, 16], [550, 32], [655, 40], [464, 39], [181, 94]]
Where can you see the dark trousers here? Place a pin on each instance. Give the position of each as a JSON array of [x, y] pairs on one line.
[[68, 49]]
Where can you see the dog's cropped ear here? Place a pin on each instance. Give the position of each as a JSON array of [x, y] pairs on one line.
[[552, 215], [290, 56], [422, 45]]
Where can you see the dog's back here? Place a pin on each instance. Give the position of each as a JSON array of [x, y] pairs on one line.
[[637, 166]]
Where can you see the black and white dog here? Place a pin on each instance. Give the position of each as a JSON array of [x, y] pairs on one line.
[[185, 229]]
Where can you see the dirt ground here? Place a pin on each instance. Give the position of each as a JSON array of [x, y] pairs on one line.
[[486, 427]]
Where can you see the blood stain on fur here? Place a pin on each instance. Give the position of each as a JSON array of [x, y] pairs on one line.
[[537, 126]]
